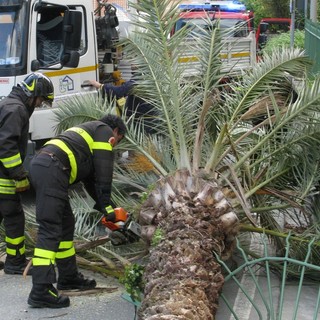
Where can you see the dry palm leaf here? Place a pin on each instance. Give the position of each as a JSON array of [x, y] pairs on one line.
[[96, 290], [83, 246], [264, 106]]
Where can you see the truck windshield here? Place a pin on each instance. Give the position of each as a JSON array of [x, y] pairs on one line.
[[12, 18]]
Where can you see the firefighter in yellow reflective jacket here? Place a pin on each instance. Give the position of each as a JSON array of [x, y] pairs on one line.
[[82, 153], [15, 111]]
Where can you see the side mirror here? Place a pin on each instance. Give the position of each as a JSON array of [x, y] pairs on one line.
[[72, 25], [262, 40], [263, 27], [71, 60], [35, 65]]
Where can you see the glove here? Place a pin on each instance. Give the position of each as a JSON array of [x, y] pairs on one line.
[[17, 173], [115, 220], [22, 185]]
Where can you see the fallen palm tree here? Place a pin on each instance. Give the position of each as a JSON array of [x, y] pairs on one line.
[[183, 279]]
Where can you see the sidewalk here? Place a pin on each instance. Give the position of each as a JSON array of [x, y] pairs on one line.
[[14, 291], [254, 290], [266, 301]]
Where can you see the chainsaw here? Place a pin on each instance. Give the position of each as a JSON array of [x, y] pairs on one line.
[[129, 233]]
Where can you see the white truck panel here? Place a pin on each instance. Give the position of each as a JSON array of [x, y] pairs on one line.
[[67, 81], [237, 55]]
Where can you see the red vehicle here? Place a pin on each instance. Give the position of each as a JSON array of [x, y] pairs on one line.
[[270, 27], [229, 13], [238, 50]]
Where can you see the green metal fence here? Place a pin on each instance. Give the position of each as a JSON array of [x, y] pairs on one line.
[[264, 288], [312, 43], [255, 291]]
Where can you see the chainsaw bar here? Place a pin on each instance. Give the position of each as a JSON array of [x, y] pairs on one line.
[[129, 234]]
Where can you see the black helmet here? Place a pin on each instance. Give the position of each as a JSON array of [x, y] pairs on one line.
[[37, 85]]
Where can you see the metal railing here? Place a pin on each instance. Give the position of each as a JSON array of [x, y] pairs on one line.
[[312, 43], [254, 290]]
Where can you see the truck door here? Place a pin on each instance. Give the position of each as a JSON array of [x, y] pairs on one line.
[[50, 27], [69, 63]]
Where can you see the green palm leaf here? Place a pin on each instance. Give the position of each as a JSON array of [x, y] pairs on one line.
[[269, 160]]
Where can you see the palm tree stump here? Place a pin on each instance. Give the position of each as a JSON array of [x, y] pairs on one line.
[[183, 279]]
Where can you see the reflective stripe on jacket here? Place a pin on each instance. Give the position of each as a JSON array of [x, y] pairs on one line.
[[90, 158], [14, 133]]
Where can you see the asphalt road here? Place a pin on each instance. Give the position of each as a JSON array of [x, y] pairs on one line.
[[14, 291], [106, 304]]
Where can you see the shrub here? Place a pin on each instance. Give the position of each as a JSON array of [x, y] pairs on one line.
[[283, 40]]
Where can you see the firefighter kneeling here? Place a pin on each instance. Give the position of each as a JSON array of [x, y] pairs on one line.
[[82, 153]]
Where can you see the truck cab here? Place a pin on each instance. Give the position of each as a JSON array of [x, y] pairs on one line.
[[270, 27], [55, 38]]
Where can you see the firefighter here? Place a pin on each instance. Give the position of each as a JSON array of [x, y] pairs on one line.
[[15, 111], [134, 107], [82, 153]]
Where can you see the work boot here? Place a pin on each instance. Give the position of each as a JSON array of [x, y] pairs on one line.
[[1, 265], [13, 268], [47, 296], [78, 281]]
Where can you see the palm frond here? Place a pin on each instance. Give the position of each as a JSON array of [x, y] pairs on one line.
[[162, 81], [80, 109], [272, 72]]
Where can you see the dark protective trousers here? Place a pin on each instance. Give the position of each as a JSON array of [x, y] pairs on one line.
[[50, 178], [11, 212]]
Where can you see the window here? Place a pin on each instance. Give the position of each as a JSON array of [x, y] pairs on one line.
[[12, 34], [49, 36], [50, 22]]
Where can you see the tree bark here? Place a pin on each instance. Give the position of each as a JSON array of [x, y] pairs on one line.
[[183, 280]]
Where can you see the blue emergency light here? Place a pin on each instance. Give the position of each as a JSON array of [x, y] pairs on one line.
[[195, 7], [225, 6]]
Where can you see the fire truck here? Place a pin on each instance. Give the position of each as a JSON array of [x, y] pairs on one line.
[[61, 39], [238, 48]]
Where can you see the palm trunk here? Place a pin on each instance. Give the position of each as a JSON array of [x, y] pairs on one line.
[[183, 279]]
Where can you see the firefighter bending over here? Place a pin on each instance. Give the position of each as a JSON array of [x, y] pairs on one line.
[[81, 153], [15, 111]]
